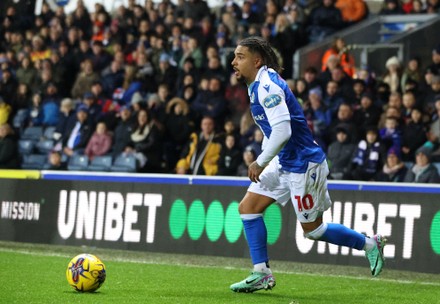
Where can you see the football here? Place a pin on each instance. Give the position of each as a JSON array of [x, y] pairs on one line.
[[85, 273]]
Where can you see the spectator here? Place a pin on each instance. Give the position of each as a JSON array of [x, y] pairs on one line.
[[230, 157], [178, 126], [248, 158], [409, 102], [413, 135], [344, 117], [391, 134], [145, 143], [212, 102], [8, 85], [340, 154], [367, 159], [9, 157], [352, 11], [423, 171], [123, 130], [286, 42], [367, 115], [393, 74], [318, 117], [5, 111], [433, 134], [391, 7], [35, 111], [432, 94], [412, 71], [394, 170], [345, 59], [202, 152], [55, 161], [26, 73], [84, 80], [324, 20], [66, 116], [77, 134], [332, 99], [237, 99], [93, 108], [167, 73], [100, 143]]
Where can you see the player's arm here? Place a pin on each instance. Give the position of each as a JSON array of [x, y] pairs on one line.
[[281, 133], [279, 136]]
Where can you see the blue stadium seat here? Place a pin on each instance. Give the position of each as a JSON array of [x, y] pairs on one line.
[[100, 163], [124, 163], [26, 146], [78, 163], [32, 133], [33, 161], [44, 146], [20, 119], [48, 132]]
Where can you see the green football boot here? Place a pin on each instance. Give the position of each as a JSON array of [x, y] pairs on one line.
[[254, 282], [375, 255]]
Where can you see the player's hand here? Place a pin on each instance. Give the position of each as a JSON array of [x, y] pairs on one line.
[[254, 172]]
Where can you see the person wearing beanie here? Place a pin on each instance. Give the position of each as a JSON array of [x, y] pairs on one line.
[[423, 171], [394, 169]]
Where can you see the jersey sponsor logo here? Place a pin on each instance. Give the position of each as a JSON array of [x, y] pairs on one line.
[[260, 117], [266, 87], [272, 101]]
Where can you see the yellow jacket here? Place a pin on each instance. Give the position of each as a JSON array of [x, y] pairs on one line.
[[208, 157]]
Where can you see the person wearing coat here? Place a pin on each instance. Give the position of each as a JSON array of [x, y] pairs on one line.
[[423, 171]]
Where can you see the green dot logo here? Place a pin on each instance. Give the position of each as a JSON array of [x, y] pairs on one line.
[[272, 218], [177, 219], [215, 218], [233, 224], [196, 220], [435, 233]]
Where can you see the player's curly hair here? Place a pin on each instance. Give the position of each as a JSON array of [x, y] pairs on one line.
[[260, 46]]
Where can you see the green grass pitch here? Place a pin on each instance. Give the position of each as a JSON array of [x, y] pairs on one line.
[[32, 273]]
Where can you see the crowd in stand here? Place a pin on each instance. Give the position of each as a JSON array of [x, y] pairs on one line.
[[154, 81]]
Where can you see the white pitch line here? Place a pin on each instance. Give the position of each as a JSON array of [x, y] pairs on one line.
[[150, 262]]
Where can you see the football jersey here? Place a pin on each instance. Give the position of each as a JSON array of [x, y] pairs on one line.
[[272, 101]]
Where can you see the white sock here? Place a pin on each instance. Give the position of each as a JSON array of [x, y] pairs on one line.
[[369, 243], [262, 267]]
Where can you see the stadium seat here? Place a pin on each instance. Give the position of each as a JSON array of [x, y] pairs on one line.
[[124, 163], [33, 161], [44, 146], [19, 119], [48, 132], [26, 146], [100, 163], [32, 133], [78, 163]]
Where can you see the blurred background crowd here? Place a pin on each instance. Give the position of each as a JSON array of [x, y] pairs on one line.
[[149, 88]]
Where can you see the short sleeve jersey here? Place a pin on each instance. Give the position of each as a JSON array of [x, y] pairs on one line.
[[271, 102]]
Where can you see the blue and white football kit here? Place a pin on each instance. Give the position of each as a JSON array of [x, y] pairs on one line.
[[298, 172]]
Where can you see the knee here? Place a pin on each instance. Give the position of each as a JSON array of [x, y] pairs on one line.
[[317, 233]]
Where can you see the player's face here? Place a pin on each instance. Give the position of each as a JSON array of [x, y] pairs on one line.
[[245, 64]]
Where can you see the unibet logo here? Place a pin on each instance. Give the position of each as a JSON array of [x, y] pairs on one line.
[[215, 221]]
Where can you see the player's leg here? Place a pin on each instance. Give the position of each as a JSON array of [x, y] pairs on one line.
[[251, 210], [260, 196], [309, 212]]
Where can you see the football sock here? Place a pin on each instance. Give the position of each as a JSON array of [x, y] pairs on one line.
[[262, 267], [256, 235], [369, 244], [340, 235]]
